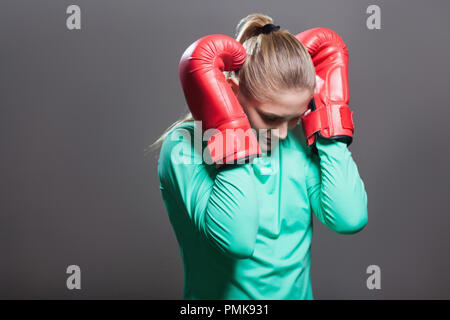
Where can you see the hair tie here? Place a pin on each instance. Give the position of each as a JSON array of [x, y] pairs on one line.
[[268, 28]]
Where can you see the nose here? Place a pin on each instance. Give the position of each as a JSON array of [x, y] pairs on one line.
[[282, 131]]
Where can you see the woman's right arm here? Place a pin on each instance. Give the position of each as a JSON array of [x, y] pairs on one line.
[[222, 205]]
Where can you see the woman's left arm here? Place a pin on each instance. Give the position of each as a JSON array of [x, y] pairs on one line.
[[336, 191]]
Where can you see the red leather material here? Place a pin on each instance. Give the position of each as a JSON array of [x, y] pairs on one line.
[[211, 99], [332, 116]]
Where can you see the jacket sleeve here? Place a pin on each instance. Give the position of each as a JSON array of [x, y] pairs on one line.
[[222, 205], [336, 191]]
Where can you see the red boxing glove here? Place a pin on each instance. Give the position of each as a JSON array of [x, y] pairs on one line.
[[330, 116], [211, 99]]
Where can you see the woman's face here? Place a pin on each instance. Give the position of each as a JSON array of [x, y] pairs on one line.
[[280, 115]]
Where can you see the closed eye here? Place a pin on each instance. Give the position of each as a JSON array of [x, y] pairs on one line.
[[272, 118]]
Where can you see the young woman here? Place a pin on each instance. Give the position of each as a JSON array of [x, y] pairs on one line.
[[245, 230]]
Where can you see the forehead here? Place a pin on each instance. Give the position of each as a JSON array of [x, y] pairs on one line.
[[288, 101]]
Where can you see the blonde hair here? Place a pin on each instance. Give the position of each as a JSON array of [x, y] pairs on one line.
[[275, 61]]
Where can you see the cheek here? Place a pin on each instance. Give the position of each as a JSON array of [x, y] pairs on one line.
[[249, 113], [293, 123]]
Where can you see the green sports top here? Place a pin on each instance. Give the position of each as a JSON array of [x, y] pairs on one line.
[[245, 232]]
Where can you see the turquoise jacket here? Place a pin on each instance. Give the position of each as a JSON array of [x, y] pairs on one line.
[[245, 232]]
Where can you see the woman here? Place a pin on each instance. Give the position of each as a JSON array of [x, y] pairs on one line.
[[245, 230]]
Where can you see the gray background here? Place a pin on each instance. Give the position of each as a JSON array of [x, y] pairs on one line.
[[78, 108]]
